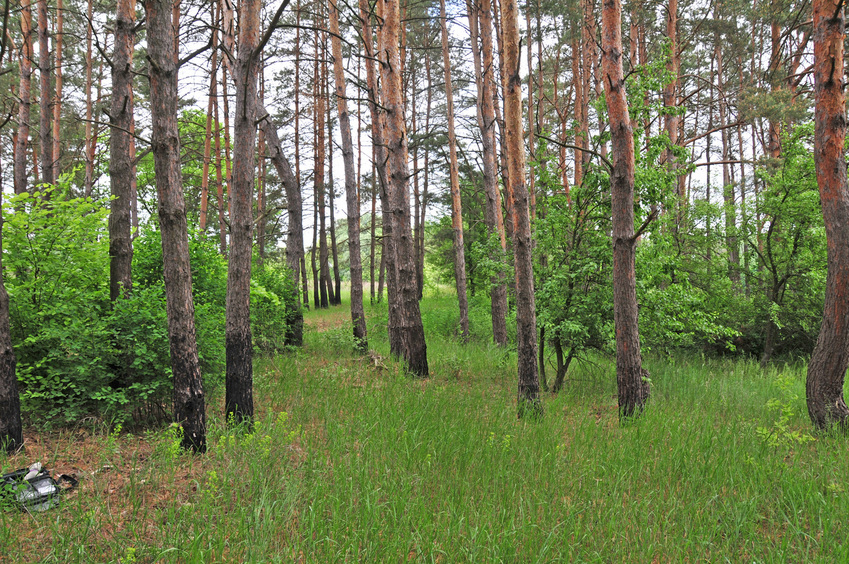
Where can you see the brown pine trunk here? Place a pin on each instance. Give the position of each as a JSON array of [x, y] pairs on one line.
[[189, 409], [296, 207], [633, 389], [207, 144], [727, 184], [406, 333], [89, 138], [120, 159], [239, 405], [45, 96], [671, 122], [774, 146], [358, 317], [24, 94], [11, 430], [219, 174], [295, 235], [228, 163], [456, 205], [580, 117], [828, 364], [260, 197], [57, 98], [526, 331], [485, 78], [336, 297]]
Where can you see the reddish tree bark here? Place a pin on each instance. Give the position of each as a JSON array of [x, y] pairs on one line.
[[828, 364], [526, 331], [189, 408], [57, 94], [485, 78], [633, 389], [89, 138], [239, 405], [120, 159], [358, 317], [456, 205], [45, 96], [406, 333], [24, 94]]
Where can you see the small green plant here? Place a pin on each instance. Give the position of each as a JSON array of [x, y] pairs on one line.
[[783, 408]]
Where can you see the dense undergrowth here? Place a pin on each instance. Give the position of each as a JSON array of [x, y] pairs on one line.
[[353, 461]]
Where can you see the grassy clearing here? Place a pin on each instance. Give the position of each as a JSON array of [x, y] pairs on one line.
[[353, 461]]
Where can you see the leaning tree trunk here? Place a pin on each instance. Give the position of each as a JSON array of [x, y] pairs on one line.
[[456, 205], [120, 160], [189, 408], [357, 312], [295, 236], [24, 95], [239, 405], [633, 390], [831, 354], [526, 330], [406, 333], [11, 431]]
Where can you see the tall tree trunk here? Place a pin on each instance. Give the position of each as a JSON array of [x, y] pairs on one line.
[[406, 333], [331, 184], [828, 364], [358, 317], [261, 218], [207, 144], [11, 430], [120, 160], [633, 389], [89, 68], [295, 235], [228, 163], [296, 205], [672, 121], [526, 331], [456, 205], [189, 409], [580, 116], [325, 289], [485, 78], [24, 94], [57, 98], [219, 175], [727, 184], [239, 405], [45, 96]]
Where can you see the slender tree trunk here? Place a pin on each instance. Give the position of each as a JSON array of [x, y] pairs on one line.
[[295, 235], [11, 430], [672, 121], [580, 117], [296, 206], [485, 78], [406, 333], [207, 144], [120, 160], [828, 364], [633, 389], [239, 378], [57, 99], [334, 250], [260, 197], [228, 163], [219, 174], [526, 331], [189, 409], [727, 184], [456, 204], [45, 96], [24, 94], [358, 317], [89, 67]]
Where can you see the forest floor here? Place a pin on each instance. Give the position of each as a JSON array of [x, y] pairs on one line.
[[351, 460]]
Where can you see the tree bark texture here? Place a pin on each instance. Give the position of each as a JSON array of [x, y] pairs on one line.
[[485, 76], [189, 408], [295, 235], [358, 317], [120, 161], [830, 358], [456, 204], [633, 390], [89, 138], [526, 331], [406, 333], [45, 96], [239, 405], [57, 91], [25, 95], [11, 430]]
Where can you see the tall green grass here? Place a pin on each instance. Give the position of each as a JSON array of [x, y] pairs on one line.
[[370, 465]]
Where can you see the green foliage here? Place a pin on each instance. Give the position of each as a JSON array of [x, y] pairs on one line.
[[273, 295]]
